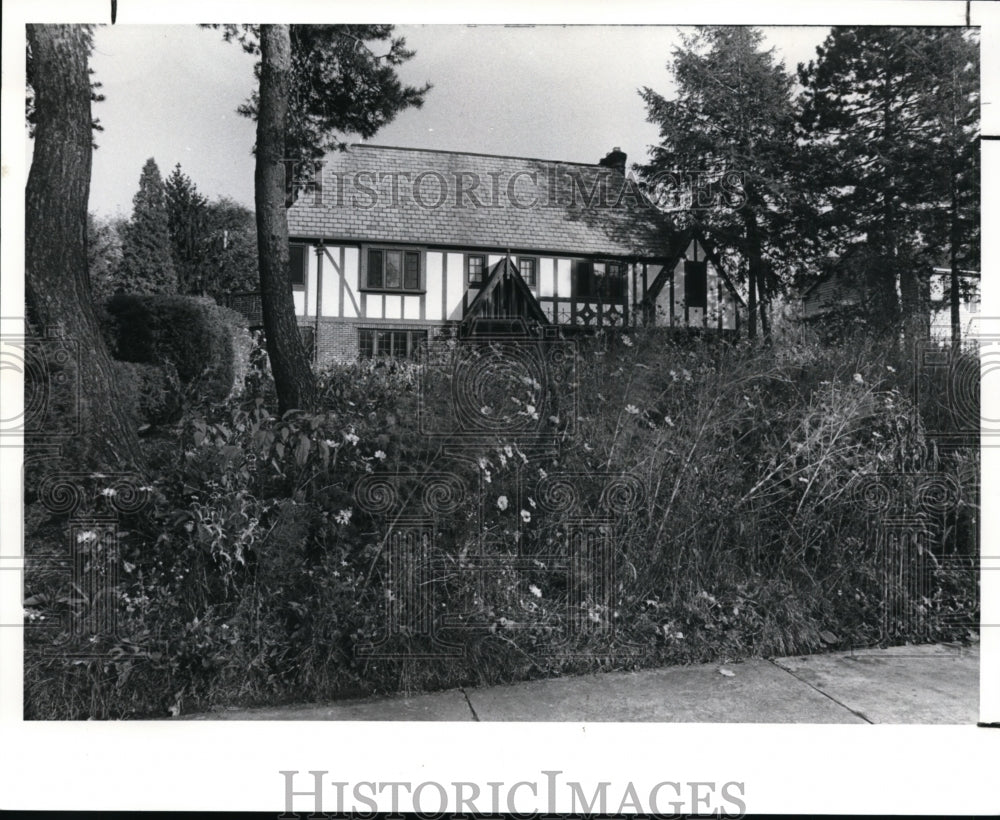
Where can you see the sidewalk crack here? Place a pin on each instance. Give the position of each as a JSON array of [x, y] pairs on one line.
[[472, 709], [824, 694]]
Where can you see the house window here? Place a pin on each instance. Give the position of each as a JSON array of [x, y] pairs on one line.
[[527, 267], [374, 343], [393, 270], [475, 268], [298, 258], [696, 284], [600, 281]]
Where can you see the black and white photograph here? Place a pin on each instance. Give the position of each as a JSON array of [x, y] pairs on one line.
[[618, 381]]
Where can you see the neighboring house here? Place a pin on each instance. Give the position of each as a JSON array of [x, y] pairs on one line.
[[837, 293], [395, 245]]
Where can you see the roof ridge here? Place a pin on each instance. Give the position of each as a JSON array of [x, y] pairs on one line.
[[477, 154]]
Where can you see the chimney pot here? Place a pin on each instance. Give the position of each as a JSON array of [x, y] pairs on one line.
[[615, 160]]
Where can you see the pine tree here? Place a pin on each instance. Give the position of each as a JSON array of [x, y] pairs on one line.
[[187, 223], [954, 232], [886, 145], [147, 264], [731, 119], [55, 245], [315, 84]]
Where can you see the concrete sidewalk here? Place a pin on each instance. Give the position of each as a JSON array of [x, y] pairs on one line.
[[908, 684]]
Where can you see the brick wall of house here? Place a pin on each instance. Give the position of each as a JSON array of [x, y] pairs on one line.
[[338, 338]]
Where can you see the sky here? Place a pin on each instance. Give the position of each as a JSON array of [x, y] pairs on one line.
[[551, 92]]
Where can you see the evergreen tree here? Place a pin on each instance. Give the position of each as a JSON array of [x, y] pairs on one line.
[[890, 118], [147, 263], [730, 121], [954, 231], [187, 224], [58, 288], [316, 83]]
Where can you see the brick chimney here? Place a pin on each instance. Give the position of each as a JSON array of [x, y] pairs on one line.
[[615, 160]]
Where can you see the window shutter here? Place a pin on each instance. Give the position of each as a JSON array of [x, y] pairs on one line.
[[374, 269]]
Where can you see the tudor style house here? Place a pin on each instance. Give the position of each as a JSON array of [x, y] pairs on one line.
[[390, 246]]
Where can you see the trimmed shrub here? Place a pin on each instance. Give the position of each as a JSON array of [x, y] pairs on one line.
[[153, 392], [205, 344]]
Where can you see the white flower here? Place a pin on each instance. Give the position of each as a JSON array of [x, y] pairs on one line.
[[380, 455], [535, 591], [508, 451], [631, 408], [890, 368], [626, 341], [350, 437], [343, 517], [86, 537], [859, 378], [109, 492], [525, 516], [486, 410], [502, 502]]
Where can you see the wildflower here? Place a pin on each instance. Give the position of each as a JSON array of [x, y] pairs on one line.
[[350, 437], [331, 443], [502, 502], [525, 516], [483, 463], [890, 368], [554, 419], [380, 455], [486, 410], [109, 492], [343, 517], [632, 409], [86, 537], [535, 591], [668, 421], [626, 341], [858, 378], [531, 501], [508, 451]]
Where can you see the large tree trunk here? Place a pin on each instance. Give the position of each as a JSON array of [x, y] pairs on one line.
[[57, 282], [293, 377]]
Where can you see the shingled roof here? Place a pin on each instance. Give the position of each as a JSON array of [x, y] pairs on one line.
[[376, 193]]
